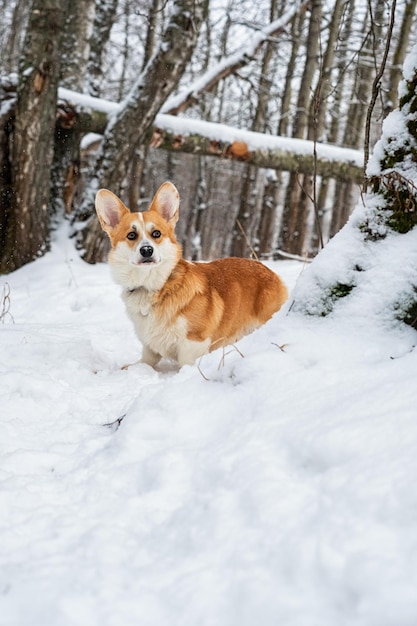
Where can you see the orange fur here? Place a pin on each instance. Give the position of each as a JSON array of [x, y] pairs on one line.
[[182, 310]]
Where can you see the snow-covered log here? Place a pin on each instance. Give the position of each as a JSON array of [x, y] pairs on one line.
[[219, 140], [267, 151], [208, 138]]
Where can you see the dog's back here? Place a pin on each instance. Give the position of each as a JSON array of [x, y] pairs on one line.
[[240, 295]]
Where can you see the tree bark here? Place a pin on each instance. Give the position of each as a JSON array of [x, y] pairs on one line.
[[138, 160], [296, 30], [27, 234], [293, 221], [355, 125], [74, 52], [248, 217], [399, 54], [132, 124], [11, 50], [75, 43], [105, 13]]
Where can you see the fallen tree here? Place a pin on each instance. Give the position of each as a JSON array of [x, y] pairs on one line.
[[219, 140], [88, 114]]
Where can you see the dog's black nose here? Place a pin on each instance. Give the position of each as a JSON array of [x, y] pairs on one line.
[[146, 251]]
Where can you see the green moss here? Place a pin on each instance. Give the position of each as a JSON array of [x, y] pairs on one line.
[[340, 291], [402, 222], [409, 96], [332, 294], [407, 311]]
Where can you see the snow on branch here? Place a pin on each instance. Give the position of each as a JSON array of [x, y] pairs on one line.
[[267, 151], [230, 65]]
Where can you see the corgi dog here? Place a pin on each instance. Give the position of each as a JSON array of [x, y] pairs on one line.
[[181, 310]]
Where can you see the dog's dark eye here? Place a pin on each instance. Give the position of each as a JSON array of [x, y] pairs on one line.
[[156, 234], [132, 235]]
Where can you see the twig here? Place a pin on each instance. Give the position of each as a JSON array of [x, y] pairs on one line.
[[222, 360], [253, 253], [201, 371], [282, 347], [376, 85], [5, 303], [316, 107], [116, 424], [293, 257]]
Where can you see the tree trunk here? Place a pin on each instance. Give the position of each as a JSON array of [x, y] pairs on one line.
[[310, 204], [152, 31], [336, 122], [75, 43], [105, 13], [74, 52], [399, 54], [355, 125], [10, 51], [27, 235], [293, 221], [244, 234], [138, 160], [130, 127], [285, 156], [268, 223], [284, 118]]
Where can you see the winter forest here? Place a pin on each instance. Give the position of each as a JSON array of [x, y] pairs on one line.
[[272, 482], [301, 87]]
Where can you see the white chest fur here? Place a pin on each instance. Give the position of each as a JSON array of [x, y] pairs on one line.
[[162, 336]]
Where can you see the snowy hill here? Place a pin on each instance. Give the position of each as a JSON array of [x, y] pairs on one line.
[[275, 486]]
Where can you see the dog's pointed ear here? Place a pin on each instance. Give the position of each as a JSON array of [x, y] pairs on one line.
[[167, 203], [110, 209]]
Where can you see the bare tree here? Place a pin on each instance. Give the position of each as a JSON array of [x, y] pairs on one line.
[[131, 125], [368, 57], [26, 217], [248, 216], [74, 53], [75, 43], [12, 33], [399, 54], [293, 221], [104, 16]]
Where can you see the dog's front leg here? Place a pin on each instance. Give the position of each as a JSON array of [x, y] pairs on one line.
[[149, 356]]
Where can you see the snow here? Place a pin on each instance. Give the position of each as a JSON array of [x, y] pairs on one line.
[[275, 486]]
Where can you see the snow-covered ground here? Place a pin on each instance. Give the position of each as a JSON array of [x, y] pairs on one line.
[[272, 487]]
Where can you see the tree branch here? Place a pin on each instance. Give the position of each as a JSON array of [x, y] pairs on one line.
[[206, 83]]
